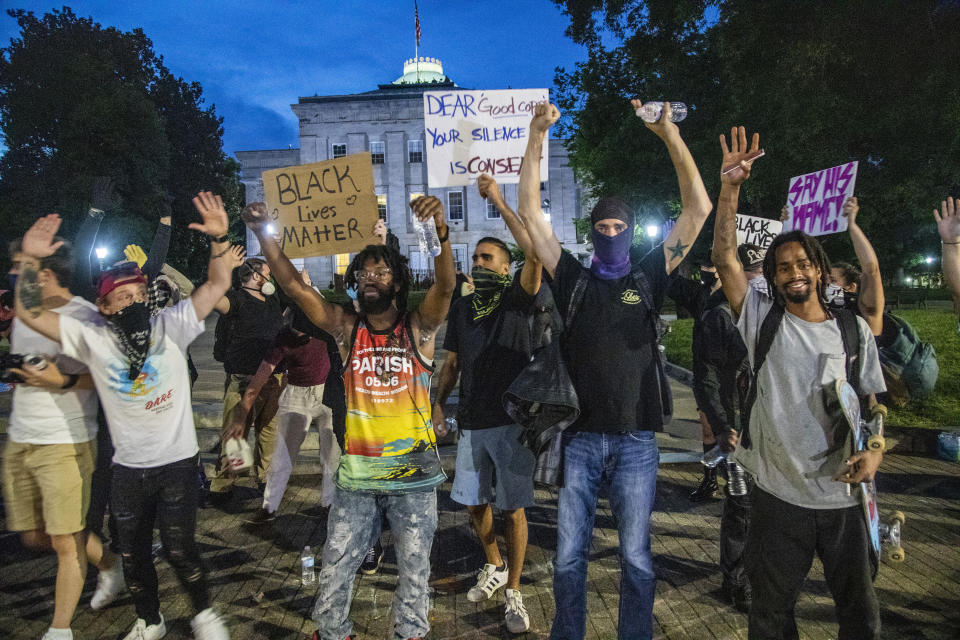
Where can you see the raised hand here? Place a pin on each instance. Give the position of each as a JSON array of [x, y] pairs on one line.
[[102, 196], [664, 127], [255, 216], [735, 156], [210, 207], [948, 220], [426, 207], [236, 256], [135, 253], [850, 210], [380, 231], [489, 189], [784, 214], [38, 240], [544, 115]]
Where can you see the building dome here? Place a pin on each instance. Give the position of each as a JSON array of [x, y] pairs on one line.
[[422, 70]]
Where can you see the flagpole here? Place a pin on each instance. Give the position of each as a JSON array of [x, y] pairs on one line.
[[416, 46]]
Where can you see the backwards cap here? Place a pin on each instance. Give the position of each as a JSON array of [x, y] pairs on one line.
[[125, 273]]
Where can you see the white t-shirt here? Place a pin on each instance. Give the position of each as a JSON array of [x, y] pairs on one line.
[[150, 418], [793, 454], [40, 416]]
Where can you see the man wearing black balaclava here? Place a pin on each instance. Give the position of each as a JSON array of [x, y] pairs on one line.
[[611, 352], [493, 466]]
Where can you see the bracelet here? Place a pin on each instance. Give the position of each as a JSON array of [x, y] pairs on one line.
[[942, 242], [222, 238], [71, 380], [445, 237], [222, 253]]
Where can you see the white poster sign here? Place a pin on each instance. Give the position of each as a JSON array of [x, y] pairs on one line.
[[758, 231]]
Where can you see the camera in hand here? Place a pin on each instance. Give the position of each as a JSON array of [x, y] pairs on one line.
[[10, 361]]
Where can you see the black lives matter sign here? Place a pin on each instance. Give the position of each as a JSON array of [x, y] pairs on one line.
[[324, 208]]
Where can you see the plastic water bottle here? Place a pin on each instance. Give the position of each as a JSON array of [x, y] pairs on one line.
[[736, 479], [714, 457], [650, 111], [451, 425], [427, 236], [308, 575]]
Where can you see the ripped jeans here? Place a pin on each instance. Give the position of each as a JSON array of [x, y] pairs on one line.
[[167, 495], [352, 526]]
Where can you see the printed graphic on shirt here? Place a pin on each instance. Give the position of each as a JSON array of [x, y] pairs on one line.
[[389, 437], [630, 296]]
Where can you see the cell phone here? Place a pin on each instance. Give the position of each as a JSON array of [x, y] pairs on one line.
[[749, 158]]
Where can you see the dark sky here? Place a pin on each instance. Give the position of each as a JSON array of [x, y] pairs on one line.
[[254, 59]]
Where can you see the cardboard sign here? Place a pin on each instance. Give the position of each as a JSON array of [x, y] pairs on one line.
[[815, 200], [474, 132], [324, 208], [759, 231]]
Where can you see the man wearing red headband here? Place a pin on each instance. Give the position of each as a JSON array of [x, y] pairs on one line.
[[136, 354]]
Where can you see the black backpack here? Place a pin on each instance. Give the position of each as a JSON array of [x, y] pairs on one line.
[[849, 334], [223, 334]]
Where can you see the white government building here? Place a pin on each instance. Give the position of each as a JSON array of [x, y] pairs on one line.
[[388, 122]]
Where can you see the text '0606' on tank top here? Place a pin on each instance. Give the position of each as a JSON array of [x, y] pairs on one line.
[[390, 446]]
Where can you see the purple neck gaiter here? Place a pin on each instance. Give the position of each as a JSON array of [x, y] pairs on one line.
[[611, 256]]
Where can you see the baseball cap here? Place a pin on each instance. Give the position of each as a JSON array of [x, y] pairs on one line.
[[124, 273]]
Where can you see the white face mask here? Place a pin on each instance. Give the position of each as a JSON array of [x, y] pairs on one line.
[[834, 293], [268, 288]]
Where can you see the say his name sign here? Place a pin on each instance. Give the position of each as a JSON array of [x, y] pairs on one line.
[[815, 200], [474, 132], [758, 231], [324, 208]]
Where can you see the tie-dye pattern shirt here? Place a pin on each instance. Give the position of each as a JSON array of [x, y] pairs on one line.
[[390, 447]]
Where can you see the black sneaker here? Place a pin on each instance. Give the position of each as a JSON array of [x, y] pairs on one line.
[[371, 561], [261, 516], [708, 487], [739, 595]]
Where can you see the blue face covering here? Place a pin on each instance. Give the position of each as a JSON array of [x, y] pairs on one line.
[[13, 281], [611, 255]]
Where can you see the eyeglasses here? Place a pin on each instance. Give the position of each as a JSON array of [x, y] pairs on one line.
[[380, 275]]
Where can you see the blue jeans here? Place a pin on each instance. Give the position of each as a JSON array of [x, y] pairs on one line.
[[353, 517], [627, 465]]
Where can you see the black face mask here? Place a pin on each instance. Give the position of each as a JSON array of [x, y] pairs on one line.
[[708, 278], [131, 325]]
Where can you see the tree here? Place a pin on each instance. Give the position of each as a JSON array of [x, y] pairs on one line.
[[823, 83], [77, 101]]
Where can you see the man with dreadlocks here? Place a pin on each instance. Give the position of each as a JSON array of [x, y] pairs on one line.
[[492, 462], [390, 462], [789, 444], [136, 355]]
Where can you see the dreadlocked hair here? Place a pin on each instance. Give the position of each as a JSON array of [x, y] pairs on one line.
[[394, 259], [815, 253]]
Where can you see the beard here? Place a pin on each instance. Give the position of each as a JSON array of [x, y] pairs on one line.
[[373, 306], [797, 297]]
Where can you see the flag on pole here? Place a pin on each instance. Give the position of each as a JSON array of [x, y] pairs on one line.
[[416, 16]]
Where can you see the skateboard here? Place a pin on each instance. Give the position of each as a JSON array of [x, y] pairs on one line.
[[884, 536]]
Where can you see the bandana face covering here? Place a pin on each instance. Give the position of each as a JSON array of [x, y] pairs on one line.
[[611, 255], [131, 325], [488, 288]]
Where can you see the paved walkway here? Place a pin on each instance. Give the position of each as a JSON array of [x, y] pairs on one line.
[[255, 574]]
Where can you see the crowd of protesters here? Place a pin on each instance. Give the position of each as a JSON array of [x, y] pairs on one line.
[[102, 429]]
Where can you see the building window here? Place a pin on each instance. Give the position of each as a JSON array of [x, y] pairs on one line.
[[492, 212], [339, 150], [382, 206], [342, 261], [377, 153], [543, 186], [454, 205], [414, 151]]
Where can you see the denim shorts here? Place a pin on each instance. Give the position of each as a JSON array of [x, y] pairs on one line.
[[494, 467]]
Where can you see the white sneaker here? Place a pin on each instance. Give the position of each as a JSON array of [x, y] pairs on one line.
[[142, 631], [57, 634], [110, 584], [488, 581], [208, 625], [515, 613]]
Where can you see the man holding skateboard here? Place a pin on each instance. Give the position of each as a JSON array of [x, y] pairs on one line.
[[793, 446]]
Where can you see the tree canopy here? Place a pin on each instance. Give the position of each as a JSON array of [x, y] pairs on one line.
[[823, 84], [77, 101]]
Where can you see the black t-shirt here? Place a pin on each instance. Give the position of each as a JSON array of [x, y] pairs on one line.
[[486, 368], [609, 347], [254, 326]]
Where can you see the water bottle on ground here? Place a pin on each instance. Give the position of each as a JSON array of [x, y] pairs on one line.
[[650, 111], [308, 575], [736, 479], [714, 457], [427, 236]]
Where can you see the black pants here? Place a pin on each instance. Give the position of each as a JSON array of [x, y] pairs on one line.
[[780, 547], [100, 487], [734, 524], [169, 495]]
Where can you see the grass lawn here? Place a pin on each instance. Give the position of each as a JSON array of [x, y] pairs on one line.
[[937, 326]]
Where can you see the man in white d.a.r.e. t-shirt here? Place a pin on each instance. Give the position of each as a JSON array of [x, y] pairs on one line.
[[49, 458], [136, 355]]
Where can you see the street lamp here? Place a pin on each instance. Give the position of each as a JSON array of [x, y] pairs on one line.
[[102, 253], [929, 260], [653, 231]]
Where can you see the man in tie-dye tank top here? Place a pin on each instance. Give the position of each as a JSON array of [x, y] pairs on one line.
[[390, 465]]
